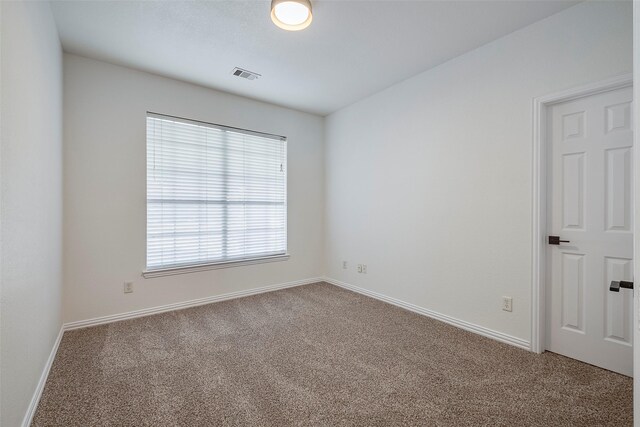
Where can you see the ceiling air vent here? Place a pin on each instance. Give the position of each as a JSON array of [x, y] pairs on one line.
[[245, 74]]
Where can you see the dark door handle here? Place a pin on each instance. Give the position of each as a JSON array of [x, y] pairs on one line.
[[615, 286], [555, 240]]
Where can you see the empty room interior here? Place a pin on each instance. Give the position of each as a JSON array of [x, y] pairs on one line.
[[319, 213]]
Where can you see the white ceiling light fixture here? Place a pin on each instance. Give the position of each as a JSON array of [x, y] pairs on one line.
[[291, 15]]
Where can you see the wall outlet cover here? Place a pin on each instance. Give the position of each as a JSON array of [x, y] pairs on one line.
[[507, 303], [128, 287]]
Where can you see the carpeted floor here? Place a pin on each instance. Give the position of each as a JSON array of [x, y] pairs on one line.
[[316, 355]]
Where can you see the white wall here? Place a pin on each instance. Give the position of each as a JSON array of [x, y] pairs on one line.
[[429, 182], [30, 201], [105, 188]]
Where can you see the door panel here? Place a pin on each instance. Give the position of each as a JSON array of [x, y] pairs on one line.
[[590, 205], [573, 191], [573, 292], [618, 189]]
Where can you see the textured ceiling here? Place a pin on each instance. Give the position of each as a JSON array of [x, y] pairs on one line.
[[351, 50]]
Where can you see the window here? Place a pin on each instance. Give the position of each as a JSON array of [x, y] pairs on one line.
[[215, 194]]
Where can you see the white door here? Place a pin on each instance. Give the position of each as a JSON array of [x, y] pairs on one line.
[[590, 188]]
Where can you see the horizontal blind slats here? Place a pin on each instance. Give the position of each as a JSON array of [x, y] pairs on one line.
[[213, 194]]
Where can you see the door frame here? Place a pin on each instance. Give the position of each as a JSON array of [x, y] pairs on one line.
[[539, 204]]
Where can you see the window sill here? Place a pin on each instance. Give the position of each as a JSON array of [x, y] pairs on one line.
[[148, 274]]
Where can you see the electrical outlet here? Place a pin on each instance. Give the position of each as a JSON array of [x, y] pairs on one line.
[[128, 287], [344, 265], [359, 268], [364, 268], [507, 303]]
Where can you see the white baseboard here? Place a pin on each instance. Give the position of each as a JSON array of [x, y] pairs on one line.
[[185, 304], [33, 405], [481, 330]]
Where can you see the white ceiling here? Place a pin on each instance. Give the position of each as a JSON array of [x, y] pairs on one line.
[[351, 50]]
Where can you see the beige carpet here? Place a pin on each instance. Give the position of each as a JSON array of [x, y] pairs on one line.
[[316, 355]]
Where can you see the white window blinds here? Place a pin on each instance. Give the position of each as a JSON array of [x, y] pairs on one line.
[[214, 194]]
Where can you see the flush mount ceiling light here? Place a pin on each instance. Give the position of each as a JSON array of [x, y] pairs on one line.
[[291, 15]]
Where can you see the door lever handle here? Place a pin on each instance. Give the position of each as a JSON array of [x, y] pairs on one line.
[[555, 240], [615, 285]]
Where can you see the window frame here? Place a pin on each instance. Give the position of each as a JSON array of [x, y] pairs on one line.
[[226, 263]]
